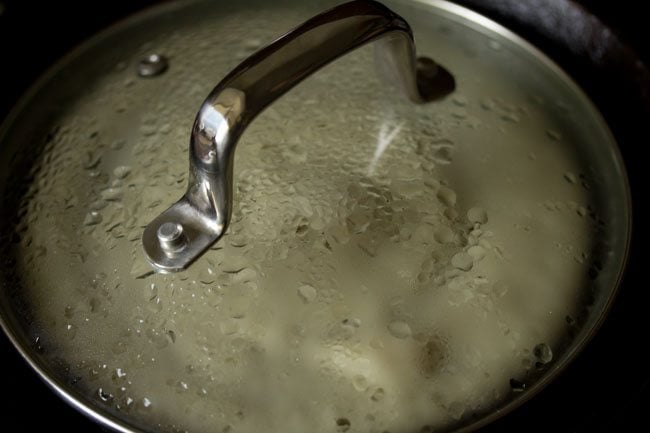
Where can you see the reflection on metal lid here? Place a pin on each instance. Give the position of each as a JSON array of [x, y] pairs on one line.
[[389, 267]]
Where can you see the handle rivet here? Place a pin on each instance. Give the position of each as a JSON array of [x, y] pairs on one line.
[[171, 237]]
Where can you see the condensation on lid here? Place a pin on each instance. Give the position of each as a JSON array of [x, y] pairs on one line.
[[389, 267]]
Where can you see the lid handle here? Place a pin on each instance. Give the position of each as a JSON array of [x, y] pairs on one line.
[[202, 215]]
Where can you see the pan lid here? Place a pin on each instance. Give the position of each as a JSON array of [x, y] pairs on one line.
[[384, 265]]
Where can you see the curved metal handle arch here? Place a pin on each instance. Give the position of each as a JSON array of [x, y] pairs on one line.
[[184, 231]]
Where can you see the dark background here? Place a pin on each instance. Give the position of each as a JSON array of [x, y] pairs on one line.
[[606, 389]]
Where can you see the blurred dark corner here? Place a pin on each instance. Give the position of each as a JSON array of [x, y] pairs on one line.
[[34, 34]]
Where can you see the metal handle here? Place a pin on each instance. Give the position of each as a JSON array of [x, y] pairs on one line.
[[184, 231]]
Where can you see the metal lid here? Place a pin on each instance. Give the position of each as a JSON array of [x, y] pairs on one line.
[[388, 266]]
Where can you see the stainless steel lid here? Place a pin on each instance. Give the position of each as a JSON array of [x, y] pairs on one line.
[[388, 266]]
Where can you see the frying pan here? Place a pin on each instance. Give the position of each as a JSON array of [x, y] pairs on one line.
[[600, 44]]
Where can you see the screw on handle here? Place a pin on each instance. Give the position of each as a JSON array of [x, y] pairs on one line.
[[203, 213]]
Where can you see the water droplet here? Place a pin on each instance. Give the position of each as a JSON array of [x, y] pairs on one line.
[[238, 241], [239, 306], [104, 395], [570, 177], [378, 394], [304, 206], [91, 160], [432, 357], [460, 100], [446, 196], [229, 327], [399, 329], [245, 275], [368, 245], [149, 129], [207, 275], [98, 205], [360, 382], [462, 261], [117, 144], [71, 330], [307, 293], [165, 128], [477, 215], [517, 386], [252, 44], [233, 264], [152, 66], [488, 104], [459, 113], [112, 194], [442, 154], [155, 305], [342, 425], [121, 171], [496, 46], [443, 235], [456, 410], [553, 135], [510, 117], [92, 218], [341, 331], [180, 386], [543, 353], [339, 234], [477, 252]]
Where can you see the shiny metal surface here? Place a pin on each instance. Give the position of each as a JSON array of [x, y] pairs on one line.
[[204, 211], [119, 423]]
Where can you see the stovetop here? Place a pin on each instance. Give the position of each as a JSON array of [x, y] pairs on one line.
[[606, 389]]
